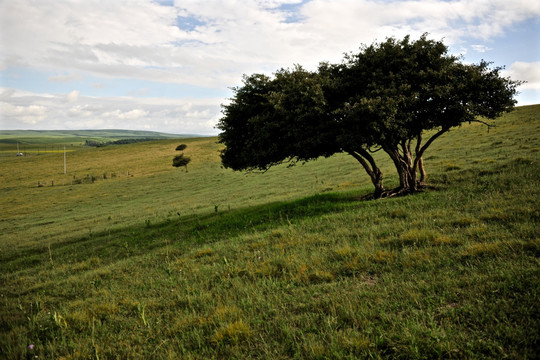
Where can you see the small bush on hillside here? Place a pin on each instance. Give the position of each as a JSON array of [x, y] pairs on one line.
[[181, 160]]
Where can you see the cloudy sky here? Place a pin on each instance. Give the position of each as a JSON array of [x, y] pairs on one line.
[[168, 65]]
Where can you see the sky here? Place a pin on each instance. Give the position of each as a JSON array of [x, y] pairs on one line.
[[169, 65]]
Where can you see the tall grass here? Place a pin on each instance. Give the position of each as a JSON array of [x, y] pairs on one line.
[[288, 263]]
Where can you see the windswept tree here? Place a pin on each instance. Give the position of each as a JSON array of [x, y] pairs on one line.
[[404, 95], [181, 160], [396, 96]]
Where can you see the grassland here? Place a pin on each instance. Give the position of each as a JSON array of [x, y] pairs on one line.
[[128, 257], [36, 142]]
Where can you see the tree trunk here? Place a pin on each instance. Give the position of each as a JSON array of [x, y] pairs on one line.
[[377, 183], [418, 161], [405, 163], [405, 169], [418, 164], [407, 179], [371, 168], [422, 171]]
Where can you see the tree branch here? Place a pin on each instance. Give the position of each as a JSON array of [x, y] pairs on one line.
[[418, 143], [489, 126], [426, 145], [406, 148], [430, 141], [419, 163], [362, 161], [374, 151]]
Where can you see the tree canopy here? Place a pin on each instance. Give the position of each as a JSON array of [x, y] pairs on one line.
[[181, 160], [397, 96]]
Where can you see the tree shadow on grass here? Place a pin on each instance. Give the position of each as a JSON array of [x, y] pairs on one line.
[[182, 233]]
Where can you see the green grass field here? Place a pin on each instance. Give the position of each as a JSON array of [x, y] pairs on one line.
[[39, 142], [126, 257]]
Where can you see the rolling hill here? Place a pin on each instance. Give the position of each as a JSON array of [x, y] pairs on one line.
[[78, 136], [128, 257]]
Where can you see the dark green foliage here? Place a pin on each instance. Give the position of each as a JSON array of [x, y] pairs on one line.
[[276, 120], [386, 97], [128, 141], [181, 160], [95, 143]]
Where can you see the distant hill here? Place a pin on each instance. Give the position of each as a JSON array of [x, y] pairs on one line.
[[77, 136]]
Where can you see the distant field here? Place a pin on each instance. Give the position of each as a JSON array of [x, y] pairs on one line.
[[128, 257], [41, 141]]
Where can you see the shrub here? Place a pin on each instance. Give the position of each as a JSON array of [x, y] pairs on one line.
[[181, 160]]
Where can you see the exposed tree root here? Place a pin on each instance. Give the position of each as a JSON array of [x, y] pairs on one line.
[[400, 191]]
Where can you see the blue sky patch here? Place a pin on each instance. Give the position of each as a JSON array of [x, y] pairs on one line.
[[188, 23], [293, 11]]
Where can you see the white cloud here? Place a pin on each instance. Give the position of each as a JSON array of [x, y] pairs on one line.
[[17, 114], [23, 110], [139, 39], [79, 111], [525, 71], [73, 96], [480, 48], [7, 93], [64, 78], [127, 115], [198, 114]]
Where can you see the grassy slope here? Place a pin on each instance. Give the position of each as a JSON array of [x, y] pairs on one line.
[[162, 263]]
